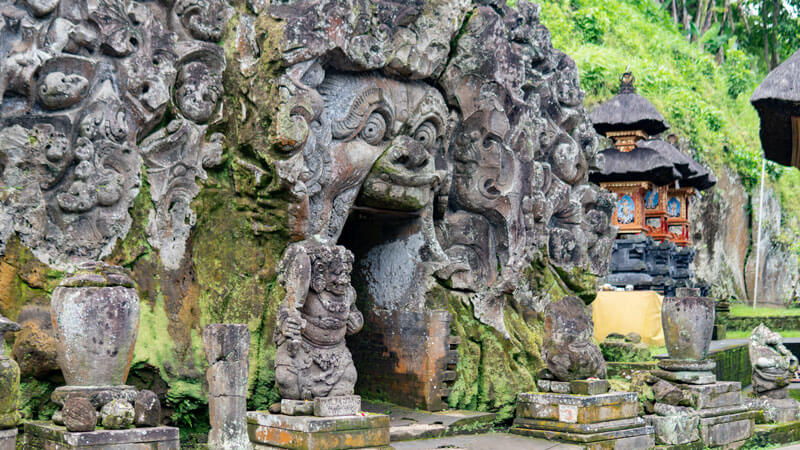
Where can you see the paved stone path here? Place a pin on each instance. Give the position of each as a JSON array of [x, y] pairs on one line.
[[487, 441]]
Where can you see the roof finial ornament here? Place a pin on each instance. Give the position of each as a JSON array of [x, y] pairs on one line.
[[626, 83]]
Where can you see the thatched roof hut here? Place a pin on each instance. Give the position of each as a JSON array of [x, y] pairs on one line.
[[777, 101], [628, 111], [656, 161]]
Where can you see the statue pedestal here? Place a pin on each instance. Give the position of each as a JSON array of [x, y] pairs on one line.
[[8, 439], [43, 435], [594, 421], [724, 420], [98, 395], [273, 431]]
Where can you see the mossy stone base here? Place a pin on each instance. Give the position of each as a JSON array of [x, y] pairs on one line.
[[768, 435], [318, 433], [46, 435]]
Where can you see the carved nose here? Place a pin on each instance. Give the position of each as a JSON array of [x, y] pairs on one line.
[[412, 156]]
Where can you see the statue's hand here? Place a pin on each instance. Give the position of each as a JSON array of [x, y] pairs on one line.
[[354, 322], [292, 326]]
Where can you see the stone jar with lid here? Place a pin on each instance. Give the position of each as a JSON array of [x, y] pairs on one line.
[[96, 318]]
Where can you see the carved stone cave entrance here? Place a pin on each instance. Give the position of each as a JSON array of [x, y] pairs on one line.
[[405, 353]]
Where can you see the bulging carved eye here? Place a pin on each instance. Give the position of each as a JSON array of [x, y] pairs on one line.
[[374, 129], [426, 134]]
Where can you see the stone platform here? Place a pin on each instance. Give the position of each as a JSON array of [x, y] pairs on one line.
[[47, 436], [98, 395], [8, 439], [601, 421], [362, 431]]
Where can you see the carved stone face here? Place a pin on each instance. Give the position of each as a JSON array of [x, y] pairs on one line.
[[198, 91], [59, 90]]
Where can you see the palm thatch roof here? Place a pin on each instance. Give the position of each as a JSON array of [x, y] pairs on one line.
[[628, 111], [777, 99], [656, 161]]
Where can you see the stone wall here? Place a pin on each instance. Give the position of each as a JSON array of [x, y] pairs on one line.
[[190, 142]]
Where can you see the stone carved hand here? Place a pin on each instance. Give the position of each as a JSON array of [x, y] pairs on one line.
[[293, 325]]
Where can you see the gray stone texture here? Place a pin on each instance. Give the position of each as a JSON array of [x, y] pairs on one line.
[[343, 405], [9, 380], [675, 430], [8, 439], [588, 387], [773, 364], [688, 323], [319, 310], [80, 106], [146, 409], [723, 430], [96, 318], [569, 350], [44, 435], [78, 415], [116, 415], [227, 348]]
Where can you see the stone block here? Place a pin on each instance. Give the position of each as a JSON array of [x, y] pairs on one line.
[[342, 405], [578, 408], [667, 392], [588, 387], [688, 377], [585, 428], [722, 410], [726, 430], [674, 430], [297, 407], [627, 443], [317, 433], [716, 395], [689, 365], [147, 409], [559, 387], [98, 395], [8, 439], [45, 435], [543, 385], [774, 410], [584, 438]]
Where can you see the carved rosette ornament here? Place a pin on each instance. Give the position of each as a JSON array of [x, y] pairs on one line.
[[460, 112], [82, 84]]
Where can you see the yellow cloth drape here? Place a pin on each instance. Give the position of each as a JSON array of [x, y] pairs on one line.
[[623, 312]]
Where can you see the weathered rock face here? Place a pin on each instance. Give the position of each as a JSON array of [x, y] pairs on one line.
[[9, 380], [458, 117], [569, 350], [720, 234]]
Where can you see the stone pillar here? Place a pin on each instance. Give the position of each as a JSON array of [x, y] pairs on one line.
[[9, 391], [227, 350]]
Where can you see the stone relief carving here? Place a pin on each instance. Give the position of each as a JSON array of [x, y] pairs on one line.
[[82, 84], [312, 359], [492, 146], [773, 364]]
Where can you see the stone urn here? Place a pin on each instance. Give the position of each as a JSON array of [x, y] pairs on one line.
[[96, 319], [688, 321]]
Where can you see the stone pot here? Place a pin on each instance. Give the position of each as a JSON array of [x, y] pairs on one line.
[[96, 319], [688, 322]]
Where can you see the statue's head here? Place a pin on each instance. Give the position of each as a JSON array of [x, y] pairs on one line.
[[330, 268]]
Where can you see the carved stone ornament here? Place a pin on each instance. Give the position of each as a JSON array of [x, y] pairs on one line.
[[487, 141], [82, 84], [319, 310], [773, 364]]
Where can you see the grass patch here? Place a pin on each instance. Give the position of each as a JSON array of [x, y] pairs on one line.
[[741, 310], [658, 350], [746, 334]]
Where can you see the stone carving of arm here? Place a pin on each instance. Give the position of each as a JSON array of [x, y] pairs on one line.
[[296, 279], [355, 320]]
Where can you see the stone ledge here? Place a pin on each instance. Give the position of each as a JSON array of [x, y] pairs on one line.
[[8, 439], [313, 424], [164, 437], [722, 411], [584, 438], [583, 428], [318, 433], [767, 435], [547, 398], [727, 430]]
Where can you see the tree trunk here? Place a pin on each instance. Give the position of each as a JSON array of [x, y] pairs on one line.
[[776, 10]]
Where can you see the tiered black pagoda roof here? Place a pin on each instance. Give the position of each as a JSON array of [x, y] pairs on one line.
[[628, 111]]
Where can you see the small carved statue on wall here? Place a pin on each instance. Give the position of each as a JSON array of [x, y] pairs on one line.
[[319, 309], [773, 364], [569, 350]]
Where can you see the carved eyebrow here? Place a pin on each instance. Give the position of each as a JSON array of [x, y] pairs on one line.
[[368, 101]]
